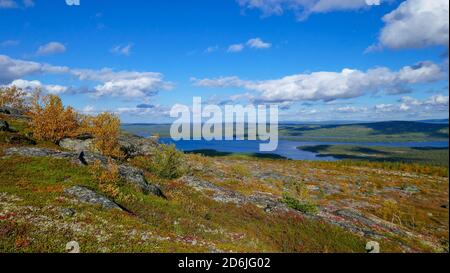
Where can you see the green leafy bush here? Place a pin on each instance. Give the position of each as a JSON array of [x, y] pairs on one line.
[[168, 163], [303, 206]]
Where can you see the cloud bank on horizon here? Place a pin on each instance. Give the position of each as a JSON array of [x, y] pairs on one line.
[[414, 90], [328, 86]]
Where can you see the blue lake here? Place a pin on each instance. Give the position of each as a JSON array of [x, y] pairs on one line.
[[285, 148]]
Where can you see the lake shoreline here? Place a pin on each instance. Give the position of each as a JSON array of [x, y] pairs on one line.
[[286, 149]]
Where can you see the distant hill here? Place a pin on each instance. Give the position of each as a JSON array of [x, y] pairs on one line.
[[386, 131], [391, 131], [345, 122], [438, 121]]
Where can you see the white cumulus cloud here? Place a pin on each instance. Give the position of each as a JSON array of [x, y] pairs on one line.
[[416, 107], [130, 84], [328, 86], [30, 86], [50, 49], [12, 69], [106, 82], [416, 24], [235, 48], [258, 43]]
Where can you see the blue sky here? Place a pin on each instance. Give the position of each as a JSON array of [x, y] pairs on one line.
[[318, 59]]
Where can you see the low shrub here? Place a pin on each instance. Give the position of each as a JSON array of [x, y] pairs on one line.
[[107, 178], [390, 211], [240, 171], [168, 163], [303, 206]]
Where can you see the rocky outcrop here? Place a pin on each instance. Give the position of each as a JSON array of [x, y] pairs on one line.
[[13, 112], [130, 174], [88, 196], [262, 200], [130, 145], [346, 218], [133, 145], [137, 178], [37, 152], [77, 145], [271, 176]]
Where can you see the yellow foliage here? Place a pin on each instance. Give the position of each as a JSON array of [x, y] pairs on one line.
[[302, 192], [240, 170], [13, 97], [391, 212], [106, 129], [107, 178], [50, 120]]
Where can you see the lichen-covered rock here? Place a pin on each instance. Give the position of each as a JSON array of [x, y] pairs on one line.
[[133, 145], [76, 145], [372, 247], [37, 152], [67, 212], [130, 145], [88, 196], [73, 247], [136, 177], [271, 176], [262, 200]]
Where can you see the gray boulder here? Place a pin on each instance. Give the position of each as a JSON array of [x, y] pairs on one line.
[[130, 145], [77, 145], [267, 202], [136, 177], [88, 196], [133, 145], [88, 158], [411, 189], [372, 247], [67, 212], [37, 152]]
